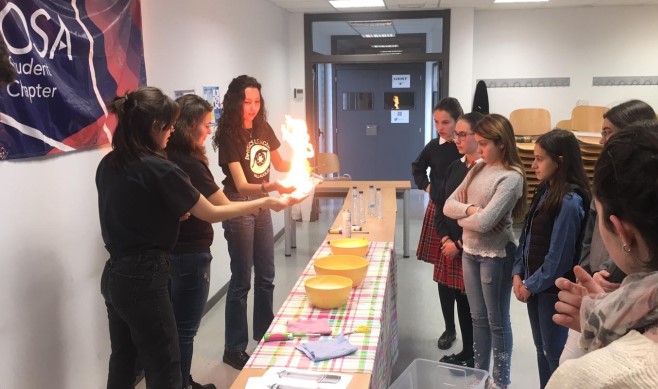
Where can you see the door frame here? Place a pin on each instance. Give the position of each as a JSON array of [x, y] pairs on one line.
[[311, 59]]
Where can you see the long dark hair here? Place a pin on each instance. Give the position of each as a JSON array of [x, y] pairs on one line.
[[231, 120], [193, 110], [626, 182], [140, 113], [629, 112], [472, 118], [562, 147], [499, 130]]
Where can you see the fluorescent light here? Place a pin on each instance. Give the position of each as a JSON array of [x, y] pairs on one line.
[[356, 3], [390, 51], [378, 35], [371, 23], [519, 1], [384, 46]]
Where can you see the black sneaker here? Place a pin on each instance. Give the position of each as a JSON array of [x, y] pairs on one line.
[[195, 385], [235, 359], [446, 339], [452, 358]]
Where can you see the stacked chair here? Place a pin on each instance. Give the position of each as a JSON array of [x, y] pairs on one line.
[[586, 123], [528, 124]]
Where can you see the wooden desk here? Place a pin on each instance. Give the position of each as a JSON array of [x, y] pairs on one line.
[[343, 189], [372, 304]]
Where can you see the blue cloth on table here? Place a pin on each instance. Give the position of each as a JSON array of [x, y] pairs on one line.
[[332, 348]]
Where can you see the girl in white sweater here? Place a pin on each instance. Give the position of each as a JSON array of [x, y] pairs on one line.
[[484, 205]]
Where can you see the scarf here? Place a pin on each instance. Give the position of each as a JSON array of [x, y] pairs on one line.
[[608, 317]]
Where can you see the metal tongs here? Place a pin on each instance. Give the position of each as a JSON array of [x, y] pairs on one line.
[[319, 378]]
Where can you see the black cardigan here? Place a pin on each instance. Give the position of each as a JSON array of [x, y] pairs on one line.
[[437, 157], [455, 174]]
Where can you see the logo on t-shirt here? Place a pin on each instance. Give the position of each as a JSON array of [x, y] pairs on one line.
[[258, 153]]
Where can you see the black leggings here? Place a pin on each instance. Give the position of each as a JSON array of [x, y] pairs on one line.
[[448, 297]]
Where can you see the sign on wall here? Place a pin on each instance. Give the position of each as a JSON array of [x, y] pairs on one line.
[[401, 81], [71, 59]]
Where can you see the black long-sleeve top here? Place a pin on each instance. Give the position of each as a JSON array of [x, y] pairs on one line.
[[437, 157], [455, 174]]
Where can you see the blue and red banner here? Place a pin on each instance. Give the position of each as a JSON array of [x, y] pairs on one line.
[[71, 58]]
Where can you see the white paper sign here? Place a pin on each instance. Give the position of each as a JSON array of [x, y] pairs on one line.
[[400, 116], [401, 80]]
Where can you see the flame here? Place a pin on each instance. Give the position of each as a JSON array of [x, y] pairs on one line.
[[295, 133]]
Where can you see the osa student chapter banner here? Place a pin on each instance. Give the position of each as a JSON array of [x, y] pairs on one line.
[[71, 58]]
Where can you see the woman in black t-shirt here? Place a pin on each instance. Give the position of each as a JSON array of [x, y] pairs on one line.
[[247, 148], [141, 198]]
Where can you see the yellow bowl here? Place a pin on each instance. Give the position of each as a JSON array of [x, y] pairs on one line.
[[350, 266], [350, 246], [328, 292]]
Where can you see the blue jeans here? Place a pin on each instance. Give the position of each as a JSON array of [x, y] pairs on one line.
[[549, 337], [141, 321], [189, 282], [488, 283], [250, 244]]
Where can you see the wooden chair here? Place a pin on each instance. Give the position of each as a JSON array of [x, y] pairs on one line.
[[530, 121], [587, 118], [328, 166], [564, 124]]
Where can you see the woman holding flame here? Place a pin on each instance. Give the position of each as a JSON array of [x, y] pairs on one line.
[[247, 149]]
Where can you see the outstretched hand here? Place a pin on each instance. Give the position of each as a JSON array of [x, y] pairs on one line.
[[283, 188], [571, 296]]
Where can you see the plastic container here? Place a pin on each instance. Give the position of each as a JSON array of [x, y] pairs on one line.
[[347, 224], [425, 374], [378, 204], [363, 206], [355, 206], [371, 200]]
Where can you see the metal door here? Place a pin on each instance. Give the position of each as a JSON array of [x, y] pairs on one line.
[[375, 139]]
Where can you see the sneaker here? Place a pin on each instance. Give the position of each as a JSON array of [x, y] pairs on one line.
[[446, 339], [195, 385], [458, 360], [235, 359]]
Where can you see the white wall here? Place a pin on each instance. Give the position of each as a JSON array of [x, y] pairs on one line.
[[53, 329], [566, 42], [460, 84]]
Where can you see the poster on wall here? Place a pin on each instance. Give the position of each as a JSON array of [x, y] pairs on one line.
[[401, 116], [71, 59], [401, 81], [211, 94], [182, 92]]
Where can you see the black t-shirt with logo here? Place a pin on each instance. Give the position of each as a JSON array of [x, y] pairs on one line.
[[252, 151], [195, 235], [140, 207]]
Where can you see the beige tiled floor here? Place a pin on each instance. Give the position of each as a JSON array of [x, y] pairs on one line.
[[419, 318]]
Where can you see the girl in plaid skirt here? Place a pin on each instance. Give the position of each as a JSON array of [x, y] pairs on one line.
[[448, 267], [437, 155]]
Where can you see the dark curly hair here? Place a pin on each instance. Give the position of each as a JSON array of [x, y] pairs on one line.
[[193, 110], [626, 182], [231, 120], [629, 112]]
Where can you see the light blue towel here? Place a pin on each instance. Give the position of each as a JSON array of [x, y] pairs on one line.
[[332, 348]]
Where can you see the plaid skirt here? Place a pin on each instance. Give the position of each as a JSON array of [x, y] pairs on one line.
[[429, 244], [449, 272]]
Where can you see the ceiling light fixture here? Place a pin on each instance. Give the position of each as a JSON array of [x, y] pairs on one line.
[[390, 51], [377, 35], [357, 3], [519, 1], [384, 46], [371, 23]]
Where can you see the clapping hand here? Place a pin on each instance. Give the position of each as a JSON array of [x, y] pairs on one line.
[[571, 296]]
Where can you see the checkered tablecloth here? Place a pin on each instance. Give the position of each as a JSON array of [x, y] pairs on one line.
[[371, 304]]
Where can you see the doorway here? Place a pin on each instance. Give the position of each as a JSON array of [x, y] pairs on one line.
[[380, 115]]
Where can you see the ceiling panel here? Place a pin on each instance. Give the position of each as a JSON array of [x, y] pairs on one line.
[[323, 6]]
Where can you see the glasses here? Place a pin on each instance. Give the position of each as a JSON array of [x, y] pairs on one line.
[[463, 135], [211, 126]]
